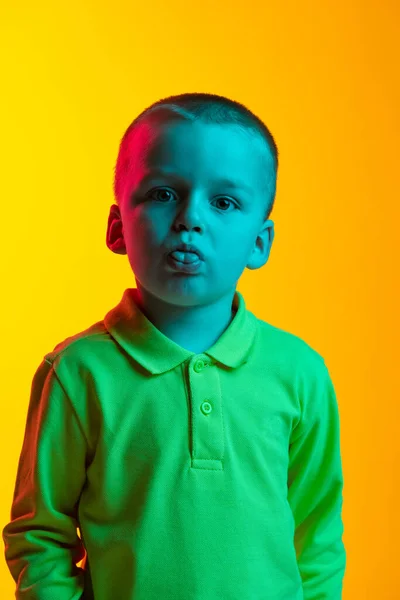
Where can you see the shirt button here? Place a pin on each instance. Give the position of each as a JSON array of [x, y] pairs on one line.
[[199, 365], [206, 408]]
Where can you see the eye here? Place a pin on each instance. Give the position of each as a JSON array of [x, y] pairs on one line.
[[150, 194]]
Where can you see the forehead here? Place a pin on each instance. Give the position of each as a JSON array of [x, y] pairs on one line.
[[198, 150]]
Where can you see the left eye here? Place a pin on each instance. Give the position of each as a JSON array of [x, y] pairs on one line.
[[169, 192]]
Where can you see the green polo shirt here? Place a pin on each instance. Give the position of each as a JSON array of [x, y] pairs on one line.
[[212, 476]]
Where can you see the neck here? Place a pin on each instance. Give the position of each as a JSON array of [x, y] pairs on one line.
[[195, 328]]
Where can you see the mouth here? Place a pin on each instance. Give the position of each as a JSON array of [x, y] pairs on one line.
[[193, 265], [184, 256], [186, 252]]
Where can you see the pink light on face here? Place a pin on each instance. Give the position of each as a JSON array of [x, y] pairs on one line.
[[139, 144]]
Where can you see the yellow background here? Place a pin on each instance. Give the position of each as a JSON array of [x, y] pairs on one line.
[[325, 79]]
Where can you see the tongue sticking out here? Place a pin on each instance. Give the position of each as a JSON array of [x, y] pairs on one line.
[[185, 257]]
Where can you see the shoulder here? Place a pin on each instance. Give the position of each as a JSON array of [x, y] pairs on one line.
[[78, 343], [289, 347]]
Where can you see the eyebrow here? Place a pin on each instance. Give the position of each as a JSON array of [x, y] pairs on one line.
[[224, 181]]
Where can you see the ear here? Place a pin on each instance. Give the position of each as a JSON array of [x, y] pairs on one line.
[[262, 247], [115, 235]]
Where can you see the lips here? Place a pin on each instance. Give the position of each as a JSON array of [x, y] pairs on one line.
[[185, 257], [187, 250]]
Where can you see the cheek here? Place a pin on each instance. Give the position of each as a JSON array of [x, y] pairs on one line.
[[145, 246], [139, 233], [238, 256]]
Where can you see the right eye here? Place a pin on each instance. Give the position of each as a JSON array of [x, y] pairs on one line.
[[158, 190]]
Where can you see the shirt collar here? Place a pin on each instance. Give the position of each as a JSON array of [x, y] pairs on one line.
[[157, 353]]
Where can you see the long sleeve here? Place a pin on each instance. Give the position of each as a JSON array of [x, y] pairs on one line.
[[315, 486], [41, 542]]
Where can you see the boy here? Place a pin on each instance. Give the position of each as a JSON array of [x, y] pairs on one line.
[[196, 447]]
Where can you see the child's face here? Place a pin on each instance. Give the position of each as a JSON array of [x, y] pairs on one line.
[[190, 204]]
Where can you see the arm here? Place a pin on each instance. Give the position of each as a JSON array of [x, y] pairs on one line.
[[315, 485], [41, 541]]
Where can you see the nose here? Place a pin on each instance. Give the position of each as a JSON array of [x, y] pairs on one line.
[[190, 212]]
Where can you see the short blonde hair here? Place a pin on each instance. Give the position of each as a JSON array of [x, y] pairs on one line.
[[207, 108]]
